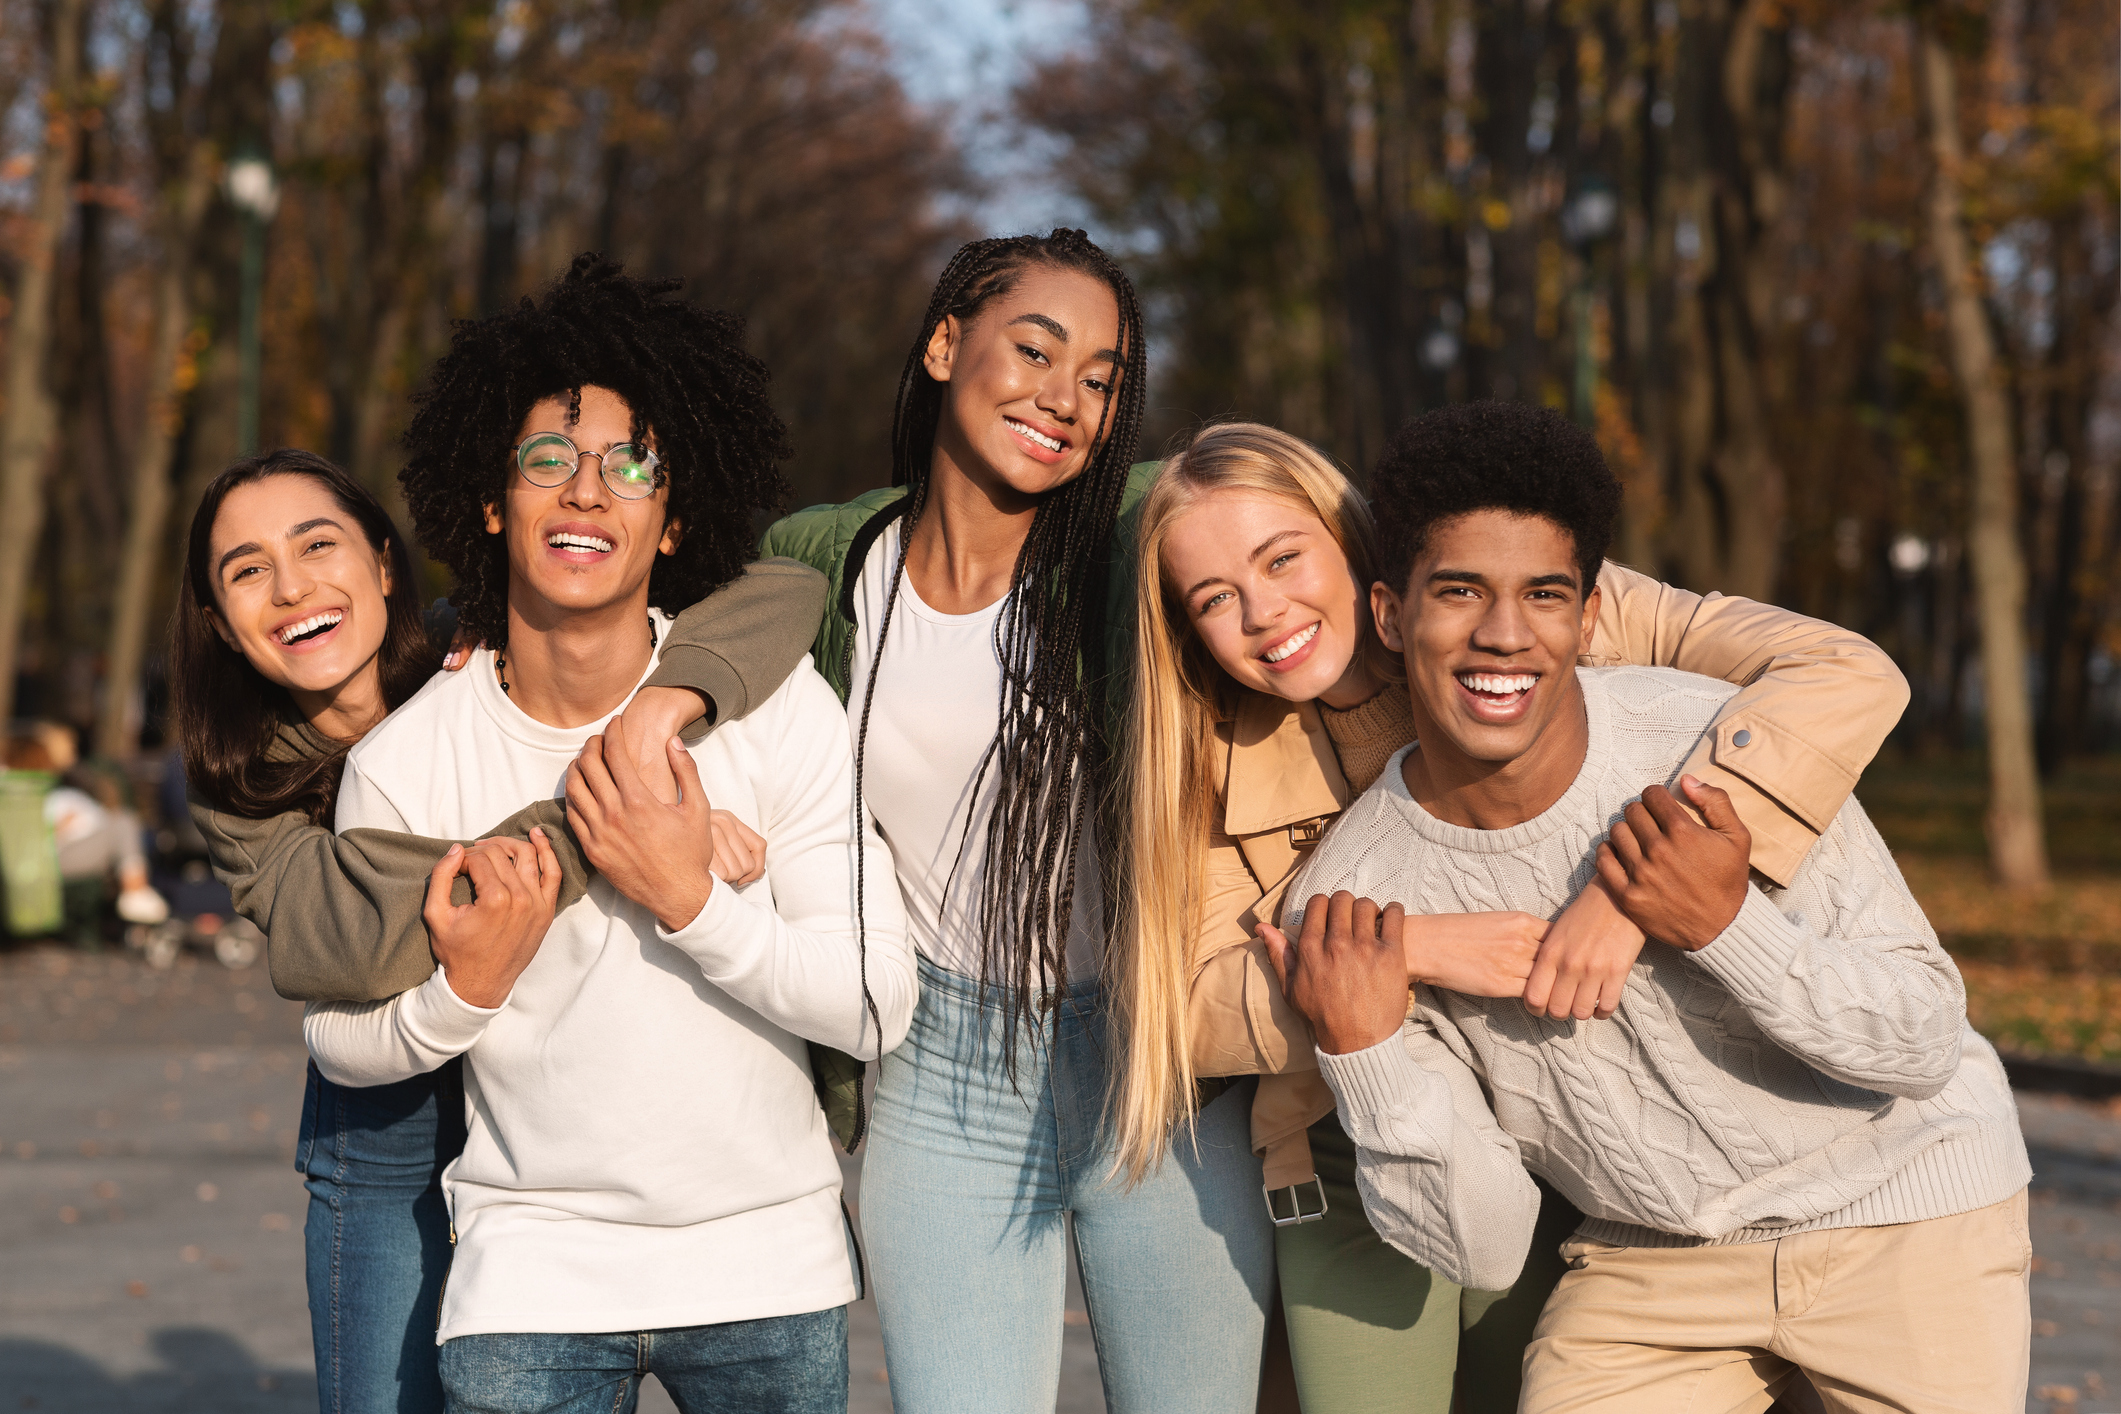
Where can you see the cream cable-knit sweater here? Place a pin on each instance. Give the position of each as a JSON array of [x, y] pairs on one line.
[[1811, 1068]]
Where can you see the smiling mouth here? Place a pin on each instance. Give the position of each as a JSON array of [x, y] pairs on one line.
[[1051, 444], [1498, 689], [1295, 643], [311, 627], [566, 540]]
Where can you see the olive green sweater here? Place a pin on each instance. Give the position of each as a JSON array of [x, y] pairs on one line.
[[341, 913]]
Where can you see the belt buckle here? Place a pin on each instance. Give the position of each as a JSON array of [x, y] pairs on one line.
[[1297, 1215]]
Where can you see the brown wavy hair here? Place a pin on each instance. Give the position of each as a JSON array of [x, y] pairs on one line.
[[226, 713]]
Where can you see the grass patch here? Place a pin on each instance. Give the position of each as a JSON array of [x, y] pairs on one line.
[[2042, 976]]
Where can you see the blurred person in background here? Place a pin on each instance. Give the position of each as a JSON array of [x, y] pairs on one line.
[[1265, 703], [100, 844], [298, 625]]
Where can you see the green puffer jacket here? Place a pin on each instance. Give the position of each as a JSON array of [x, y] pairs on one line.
[[835, 540]]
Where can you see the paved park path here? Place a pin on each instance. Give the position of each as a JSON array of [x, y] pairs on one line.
[[151, 1219]]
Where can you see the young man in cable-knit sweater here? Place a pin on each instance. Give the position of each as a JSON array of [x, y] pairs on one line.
[[1792, 1152]]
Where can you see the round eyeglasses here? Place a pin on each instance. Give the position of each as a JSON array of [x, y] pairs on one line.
[[629, 469]]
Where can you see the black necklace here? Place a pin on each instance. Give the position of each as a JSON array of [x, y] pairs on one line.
[[500, 658]]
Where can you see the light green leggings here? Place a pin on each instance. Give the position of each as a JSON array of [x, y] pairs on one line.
[[1373, 1332]]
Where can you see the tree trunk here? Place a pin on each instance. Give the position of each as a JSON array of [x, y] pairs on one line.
[[30, 418], [2017, 842], [183, 206]]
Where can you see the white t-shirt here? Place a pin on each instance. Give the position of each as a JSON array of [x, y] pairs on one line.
[[645, 1149], [937, 707]]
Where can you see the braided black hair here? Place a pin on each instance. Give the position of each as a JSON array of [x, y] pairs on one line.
[[1050, 751], [682, 370]]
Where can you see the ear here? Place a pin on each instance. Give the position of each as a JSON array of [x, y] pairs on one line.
[[493, 518], [383, 565], [1591, 604], [213, 617], [673, 536], [1384, 608], [942, 348]]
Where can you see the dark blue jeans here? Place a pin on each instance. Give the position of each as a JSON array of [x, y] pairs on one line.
[[378, 1236], [781, 1365]]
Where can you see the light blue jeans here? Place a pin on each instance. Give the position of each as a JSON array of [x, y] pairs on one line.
[[779, 1365], [964, 1193]]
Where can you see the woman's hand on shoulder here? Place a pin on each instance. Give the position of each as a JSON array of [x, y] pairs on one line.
[[1475, 954]]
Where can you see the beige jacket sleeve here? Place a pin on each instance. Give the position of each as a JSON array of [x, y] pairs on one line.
[[1817, 702]]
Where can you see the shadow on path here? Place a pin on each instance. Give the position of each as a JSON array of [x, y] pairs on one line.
[[201, 1370]]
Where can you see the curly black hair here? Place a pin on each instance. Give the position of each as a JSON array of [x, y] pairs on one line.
[[682, 370], [1491, 456]]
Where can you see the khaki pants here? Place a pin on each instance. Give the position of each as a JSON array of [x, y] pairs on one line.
[[1924, 1317]]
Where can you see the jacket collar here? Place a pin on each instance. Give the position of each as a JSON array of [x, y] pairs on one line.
[[1282, 767]]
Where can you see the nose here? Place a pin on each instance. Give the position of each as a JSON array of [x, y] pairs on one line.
[[1503, 628], [586, 491], [1264, 609], [1057, 395], [292, 582]]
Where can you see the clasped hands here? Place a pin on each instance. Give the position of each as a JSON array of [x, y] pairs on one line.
[[636, 803], [1661, 874]]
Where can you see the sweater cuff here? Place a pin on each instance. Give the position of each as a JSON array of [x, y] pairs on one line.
[[1752, 957], [1377, 1088], [437, 1015], [704, 671], [714, 920]]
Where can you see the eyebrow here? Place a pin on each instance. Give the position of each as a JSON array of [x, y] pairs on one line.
[[251, 547], [1537, 581], [1260, 549], [1060, 331]]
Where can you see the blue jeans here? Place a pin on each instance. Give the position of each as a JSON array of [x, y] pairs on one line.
[[964, 1193], [378, 1236], [781, 1365]]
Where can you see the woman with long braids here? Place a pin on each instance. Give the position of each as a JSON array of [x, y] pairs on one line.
[[1264, 703], [972, 629]]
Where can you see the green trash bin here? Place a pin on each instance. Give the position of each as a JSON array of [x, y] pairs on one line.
[[29, 856]]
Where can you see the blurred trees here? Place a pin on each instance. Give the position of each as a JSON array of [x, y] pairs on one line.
[[436, 160], [1709, 229]]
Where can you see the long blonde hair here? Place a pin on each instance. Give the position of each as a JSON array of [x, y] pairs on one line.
[[1170, 794]]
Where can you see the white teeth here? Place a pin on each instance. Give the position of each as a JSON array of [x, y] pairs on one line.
[[568, 541], [1051, 444], [1290, 644], [1499, 683], [311, 624]]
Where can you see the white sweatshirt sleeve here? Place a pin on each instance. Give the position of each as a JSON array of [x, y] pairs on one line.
[[798, 960], [1873, 1000], [1439, 1179], [377, 1043]]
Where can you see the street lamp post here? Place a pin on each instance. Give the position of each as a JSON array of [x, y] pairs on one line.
[[1588, 219], [253, 191]]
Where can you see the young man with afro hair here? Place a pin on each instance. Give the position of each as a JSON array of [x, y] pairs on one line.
[[647, 1185], [1794, 1157]]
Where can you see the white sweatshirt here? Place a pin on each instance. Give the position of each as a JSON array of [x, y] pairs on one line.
[[644, 1148]]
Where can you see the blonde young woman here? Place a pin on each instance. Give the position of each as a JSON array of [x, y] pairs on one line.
[[1264, 706]]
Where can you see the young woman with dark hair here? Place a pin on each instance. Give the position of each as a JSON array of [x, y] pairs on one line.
[[297, 629], [979, 608]]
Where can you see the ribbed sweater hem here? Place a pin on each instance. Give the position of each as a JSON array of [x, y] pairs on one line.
[[1957, 1176]]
